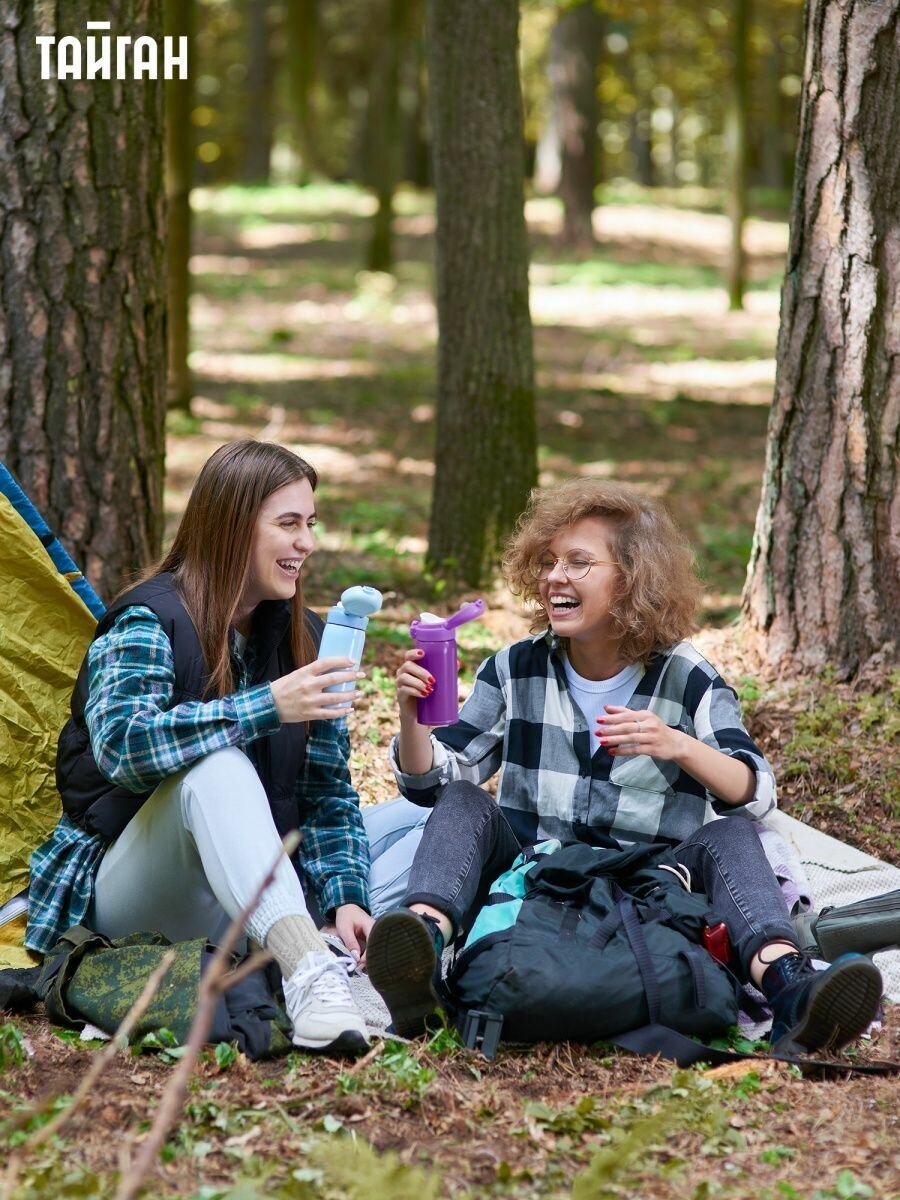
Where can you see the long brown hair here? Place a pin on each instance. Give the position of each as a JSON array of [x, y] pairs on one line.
[[210, 556], [657, 591]]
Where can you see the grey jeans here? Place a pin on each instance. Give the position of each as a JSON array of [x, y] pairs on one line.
[[467, 843]]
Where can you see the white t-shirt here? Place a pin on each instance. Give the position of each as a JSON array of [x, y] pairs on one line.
[[592, 695]]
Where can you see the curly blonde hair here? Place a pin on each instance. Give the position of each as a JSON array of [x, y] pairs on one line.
[[657, 592]]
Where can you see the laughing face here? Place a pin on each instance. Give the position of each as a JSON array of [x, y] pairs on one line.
[[578, 609], [282, 539]]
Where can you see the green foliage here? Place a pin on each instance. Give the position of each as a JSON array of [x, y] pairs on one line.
[[63, 1180], [343, 1169], [445, 1042], [772, 1156], [583, 1117], [397, 1070], [162, 1041], [822, 739], [734, 1039], [846, 1187], [12, 1047], [638, 1134], [226, 1055]]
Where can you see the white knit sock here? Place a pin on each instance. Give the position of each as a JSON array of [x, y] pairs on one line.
[[290, 938]]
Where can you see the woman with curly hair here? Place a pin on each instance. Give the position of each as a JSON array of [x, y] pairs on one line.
[[605, 723]]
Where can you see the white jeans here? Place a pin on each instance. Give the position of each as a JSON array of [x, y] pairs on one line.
[[193, 856]]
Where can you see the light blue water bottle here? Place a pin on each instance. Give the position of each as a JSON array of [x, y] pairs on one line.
[[344, 634]]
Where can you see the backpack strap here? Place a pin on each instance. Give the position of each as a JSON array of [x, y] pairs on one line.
[[668, 1043], [643, 957]]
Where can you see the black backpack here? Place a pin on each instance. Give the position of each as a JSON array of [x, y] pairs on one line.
[[585, 943]]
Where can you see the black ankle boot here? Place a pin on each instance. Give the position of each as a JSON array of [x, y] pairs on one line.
[[821, 1010], [403, 957]]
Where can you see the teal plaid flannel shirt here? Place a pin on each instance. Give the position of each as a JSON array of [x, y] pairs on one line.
[[138, 741]]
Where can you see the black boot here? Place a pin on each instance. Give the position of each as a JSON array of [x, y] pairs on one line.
[[403, 958], [821, 1010]]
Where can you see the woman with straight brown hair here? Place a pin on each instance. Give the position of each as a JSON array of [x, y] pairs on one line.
[[201, 733], [607, 723]]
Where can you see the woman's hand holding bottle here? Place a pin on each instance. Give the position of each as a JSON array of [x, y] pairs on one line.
[[302, 695], [414, 683]]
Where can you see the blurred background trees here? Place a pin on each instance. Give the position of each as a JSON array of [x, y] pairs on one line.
[[638, 89], [616, 96]]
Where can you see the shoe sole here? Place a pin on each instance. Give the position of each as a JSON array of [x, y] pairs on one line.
[[400, 960], [840, 1008], [349, 1044]]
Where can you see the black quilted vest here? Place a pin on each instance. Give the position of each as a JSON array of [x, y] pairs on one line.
[[104, 808]]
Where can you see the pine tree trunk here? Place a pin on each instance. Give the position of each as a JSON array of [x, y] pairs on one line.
[[572, 68], [179, 175], [823, 582], [302, 46], [258, 128], [385, 141], [736, 140], [485, 459], [82, 290]]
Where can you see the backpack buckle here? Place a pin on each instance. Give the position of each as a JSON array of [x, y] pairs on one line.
[[481, 1031]]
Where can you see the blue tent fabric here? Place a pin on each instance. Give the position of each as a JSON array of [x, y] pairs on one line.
[[51, 543]]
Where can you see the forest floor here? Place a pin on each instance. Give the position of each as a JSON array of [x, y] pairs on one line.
[[643, 375]]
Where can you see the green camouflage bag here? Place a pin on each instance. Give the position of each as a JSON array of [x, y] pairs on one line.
[[88, 978]]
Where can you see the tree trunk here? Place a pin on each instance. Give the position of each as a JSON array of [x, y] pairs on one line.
[[179, 173], [385, 141], [302, 40], [485, 455], [82, 290], [823, 581], [258, 127], [736, 140], [570, 141], [772, 122]]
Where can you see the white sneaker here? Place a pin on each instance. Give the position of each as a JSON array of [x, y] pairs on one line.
[[321, 1006]]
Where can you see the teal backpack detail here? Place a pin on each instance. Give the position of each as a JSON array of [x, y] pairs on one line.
[[585, 943]]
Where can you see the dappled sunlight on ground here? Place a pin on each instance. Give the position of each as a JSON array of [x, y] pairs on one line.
[[587, 304], [260, 367], [643, 373]]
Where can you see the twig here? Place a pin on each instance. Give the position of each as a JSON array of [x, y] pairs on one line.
[[98, 1066], [212, 984], [360, 1065], [257, 959]]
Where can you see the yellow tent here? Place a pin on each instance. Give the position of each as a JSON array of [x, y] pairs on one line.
[[47, 617]]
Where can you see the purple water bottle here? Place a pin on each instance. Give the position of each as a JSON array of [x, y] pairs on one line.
[[437, 637]]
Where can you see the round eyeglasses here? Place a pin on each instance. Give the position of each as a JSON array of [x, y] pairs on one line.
[[575, 565]]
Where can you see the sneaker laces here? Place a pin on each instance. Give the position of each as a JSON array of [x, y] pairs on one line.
[[326, 977]]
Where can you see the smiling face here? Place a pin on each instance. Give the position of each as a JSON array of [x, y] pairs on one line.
[[282, 539], [579, 609]]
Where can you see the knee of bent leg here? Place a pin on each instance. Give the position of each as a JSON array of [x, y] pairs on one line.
[[463, 796], [728, 834], [226, 772]]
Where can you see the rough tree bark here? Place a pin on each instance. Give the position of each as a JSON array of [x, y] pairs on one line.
[[485, 457], [179, 15], [82, 290], [823, 581]]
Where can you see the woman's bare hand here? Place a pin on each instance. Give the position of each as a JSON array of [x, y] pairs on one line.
[[626, 732], [413, 683], [302, 695]]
